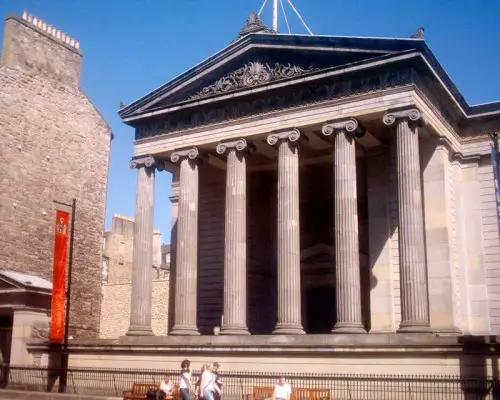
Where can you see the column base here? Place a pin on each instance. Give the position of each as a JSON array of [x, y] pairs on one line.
[[184, 331], [137, 330], [288, 329], [234, 330], [453, 331], [348, 327], [414, 327]]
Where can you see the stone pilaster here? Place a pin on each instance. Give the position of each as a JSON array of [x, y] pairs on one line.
[[235, 251], [289, 300], [186, 272], [382, 317], [347, 273], [442, 265], [142, 264], [413, 269]]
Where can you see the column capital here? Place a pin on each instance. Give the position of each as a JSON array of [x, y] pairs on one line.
[[147, 162], [191, 154], [410, 113], [289, 135], [239, 145], [174, 198], [348, 125]]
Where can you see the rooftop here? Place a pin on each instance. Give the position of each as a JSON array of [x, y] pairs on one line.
[[25, 280]]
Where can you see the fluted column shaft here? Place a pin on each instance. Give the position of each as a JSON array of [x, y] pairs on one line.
[[235, 250], [142, 262], [348, 283], [413, 269], [185, 309], [289, 294]]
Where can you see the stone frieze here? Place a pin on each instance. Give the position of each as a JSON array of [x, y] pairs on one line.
[[271, 101]]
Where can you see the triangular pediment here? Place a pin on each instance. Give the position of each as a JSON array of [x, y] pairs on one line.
[[261, 59]]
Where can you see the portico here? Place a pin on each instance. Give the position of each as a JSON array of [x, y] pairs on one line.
[[336, 148], [318, 188]]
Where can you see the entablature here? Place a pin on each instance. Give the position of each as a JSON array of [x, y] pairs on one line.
[[368, 109]]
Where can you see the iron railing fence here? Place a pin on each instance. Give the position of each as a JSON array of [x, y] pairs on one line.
[[240, 385]]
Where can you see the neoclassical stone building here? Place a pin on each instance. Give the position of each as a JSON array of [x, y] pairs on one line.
[[333, 210]]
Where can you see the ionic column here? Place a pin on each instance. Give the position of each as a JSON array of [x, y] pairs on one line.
[[289, 299], [348, 284], [187, 243], [413, 269], [142, 263], [235, 251]]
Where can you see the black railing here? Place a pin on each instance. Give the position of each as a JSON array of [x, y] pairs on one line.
[[240, 385]]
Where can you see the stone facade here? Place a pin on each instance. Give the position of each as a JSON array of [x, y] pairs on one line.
[[117, 280], [354, 195], [55, 146]]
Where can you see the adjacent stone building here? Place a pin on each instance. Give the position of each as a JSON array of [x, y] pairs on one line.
[[54, 146], [117, 280]]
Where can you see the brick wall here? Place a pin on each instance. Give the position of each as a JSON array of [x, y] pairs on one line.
[[55, 146]]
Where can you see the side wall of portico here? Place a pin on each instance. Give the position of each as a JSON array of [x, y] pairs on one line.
[[439, 229], [490, 240]]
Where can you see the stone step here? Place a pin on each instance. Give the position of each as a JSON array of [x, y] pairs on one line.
[[23, 394]]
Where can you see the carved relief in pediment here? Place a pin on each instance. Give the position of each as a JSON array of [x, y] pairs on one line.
[[252, 74]]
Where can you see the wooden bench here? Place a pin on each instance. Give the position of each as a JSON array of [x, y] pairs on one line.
[[310, 394], [264, 392], [139, 391], [260, 393]]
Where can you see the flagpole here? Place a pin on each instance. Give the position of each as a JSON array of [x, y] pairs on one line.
[[275, 16], [63, 378]]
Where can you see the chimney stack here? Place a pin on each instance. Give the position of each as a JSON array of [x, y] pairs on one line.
[[33, 45]]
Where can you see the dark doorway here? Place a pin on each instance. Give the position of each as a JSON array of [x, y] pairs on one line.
[[5, 338], [320, 309]]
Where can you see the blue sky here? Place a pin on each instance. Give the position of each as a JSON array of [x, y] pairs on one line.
[[133, 46]]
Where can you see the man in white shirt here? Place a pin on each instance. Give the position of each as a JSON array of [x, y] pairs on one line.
[[283, 390], [167, 386]]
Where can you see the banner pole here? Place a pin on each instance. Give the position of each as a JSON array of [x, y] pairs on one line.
[[63, 379]]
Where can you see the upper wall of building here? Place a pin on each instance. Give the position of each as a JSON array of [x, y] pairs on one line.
[[55, 147], [36, 47]]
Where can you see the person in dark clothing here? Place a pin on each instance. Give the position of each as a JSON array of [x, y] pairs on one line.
[[218, 382]]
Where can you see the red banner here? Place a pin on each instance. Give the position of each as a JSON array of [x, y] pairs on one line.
[[59, 276]]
